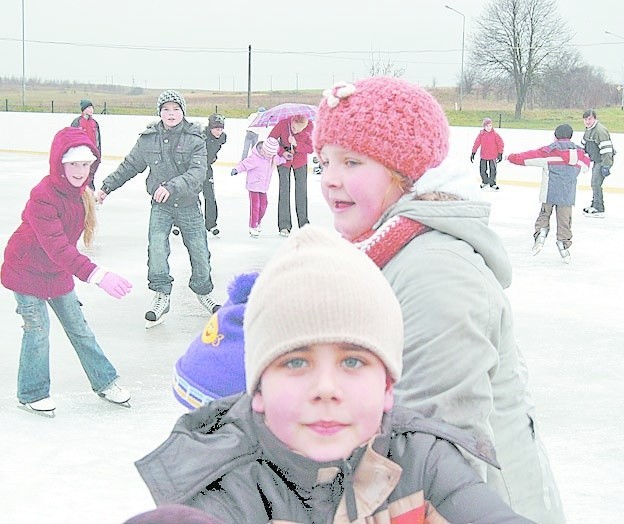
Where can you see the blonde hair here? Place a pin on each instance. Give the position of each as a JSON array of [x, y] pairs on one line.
[[90, 223]]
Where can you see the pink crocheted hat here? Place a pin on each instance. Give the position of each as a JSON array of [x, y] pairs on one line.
[[387, 119]]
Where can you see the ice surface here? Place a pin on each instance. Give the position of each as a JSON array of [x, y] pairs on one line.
[[78, 467]]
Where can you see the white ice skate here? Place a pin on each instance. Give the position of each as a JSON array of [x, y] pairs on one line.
[[160, 306], [539, 241], [208, 302], [565, 254], [116, 395], [44, 407]]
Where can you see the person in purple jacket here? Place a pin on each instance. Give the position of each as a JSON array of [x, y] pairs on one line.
[[40, 262], [259, 166]]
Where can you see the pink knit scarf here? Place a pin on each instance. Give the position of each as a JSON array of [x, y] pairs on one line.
[[381, 245]]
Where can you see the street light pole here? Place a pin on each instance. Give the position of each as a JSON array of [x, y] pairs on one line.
[[461, 79], [23, 62]]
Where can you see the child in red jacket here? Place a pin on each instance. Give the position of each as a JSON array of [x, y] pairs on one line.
[[41, 261], [491, 145]]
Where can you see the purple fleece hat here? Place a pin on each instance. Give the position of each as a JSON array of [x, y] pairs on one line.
[[213, 365]]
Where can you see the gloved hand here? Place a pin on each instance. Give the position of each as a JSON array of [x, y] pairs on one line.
[[288, 155], [115, 285], [605, 171], [472, 158], [233, 172], [499, 158]]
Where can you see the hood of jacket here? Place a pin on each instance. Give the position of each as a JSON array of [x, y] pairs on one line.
[[466, 220], [65, 139]]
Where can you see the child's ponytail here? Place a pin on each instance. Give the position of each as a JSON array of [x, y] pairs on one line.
[[90, 223]]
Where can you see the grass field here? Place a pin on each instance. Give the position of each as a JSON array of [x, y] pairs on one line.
[[132, 100]]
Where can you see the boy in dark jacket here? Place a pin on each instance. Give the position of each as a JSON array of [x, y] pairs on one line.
[[215, 138], [561, 163], [315, 438], [175, 152]]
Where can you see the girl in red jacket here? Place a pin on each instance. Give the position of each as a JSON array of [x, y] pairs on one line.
[[491, 145], [40, 262]]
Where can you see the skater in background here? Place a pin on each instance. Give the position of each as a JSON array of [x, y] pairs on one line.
[[561, 163], [294, 135], [215, 137], [597, 144], [91, 127], [259, 167], [252, 134], [40, 262], [213, 365], [411, 211], [316, 437], [175, 152], [491, 145]]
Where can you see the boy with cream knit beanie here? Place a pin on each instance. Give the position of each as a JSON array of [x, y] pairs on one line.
[[315, 438]]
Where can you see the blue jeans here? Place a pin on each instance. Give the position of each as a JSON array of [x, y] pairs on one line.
[[190, 221], [33, 376]]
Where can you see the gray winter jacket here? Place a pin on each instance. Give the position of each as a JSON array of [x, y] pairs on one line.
[[461, 361], [223, 460], [176, 159]]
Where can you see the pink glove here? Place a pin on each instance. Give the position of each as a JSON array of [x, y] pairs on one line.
[[115, 285]]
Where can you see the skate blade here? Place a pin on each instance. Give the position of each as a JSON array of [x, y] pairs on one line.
[[44, 414], [153, 323], [125, 404], [537, 248]]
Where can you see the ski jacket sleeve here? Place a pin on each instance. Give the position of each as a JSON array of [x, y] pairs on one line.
[[477, 143]]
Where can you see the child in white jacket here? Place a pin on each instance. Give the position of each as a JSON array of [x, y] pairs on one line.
[[259, 166]]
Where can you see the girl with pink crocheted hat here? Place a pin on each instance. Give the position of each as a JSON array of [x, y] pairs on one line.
[[383, 144]]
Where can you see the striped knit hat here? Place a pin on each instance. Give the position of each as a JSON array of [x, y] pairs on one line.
[[270, 147], [320, 289], [387, 119], [171, 96]]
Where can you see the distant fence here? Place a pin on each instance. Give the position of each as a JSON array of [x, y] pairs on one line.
[[232, 105]]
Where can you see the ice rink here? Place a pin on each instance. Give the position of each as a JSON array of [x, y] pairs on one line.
[[78, 467]]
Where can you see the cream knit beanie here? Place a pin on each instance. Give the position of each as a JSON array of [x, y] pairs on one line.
[[319, 289]]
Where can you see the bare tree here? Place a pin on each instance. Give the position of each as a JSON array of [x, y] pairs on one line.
[[384, 67], [518, 39], [572, 83]]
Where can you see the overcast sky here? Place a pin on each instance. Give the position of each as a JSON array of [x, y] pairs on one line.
[[203, 44]]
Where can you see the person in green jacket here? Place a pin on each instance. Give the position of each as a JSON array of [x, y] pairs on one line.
[[316, 437]]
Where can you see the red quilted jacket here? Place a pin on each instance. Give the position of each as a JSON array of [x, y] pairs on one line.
[[41, 257]]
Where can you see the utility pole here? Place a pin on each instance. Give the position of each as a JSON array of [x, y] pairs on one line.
[[249, 78]]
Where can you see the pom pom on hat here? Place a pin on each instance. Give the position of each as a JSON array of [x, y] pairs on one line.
[[387, 119], [84, 103], [213, 365], [78, 154], [487, 120], [320, 289], [171, 96], [261, 109], [564, 131], [270, 147], [215, 120]]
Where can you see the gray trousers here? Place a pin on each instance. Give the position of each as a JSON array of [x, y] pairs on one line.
[[564, 222], [597, 180], [284, 220]]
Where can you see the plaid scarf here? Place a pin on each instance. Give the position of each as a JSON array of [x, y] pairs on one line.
[[381, 245]]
